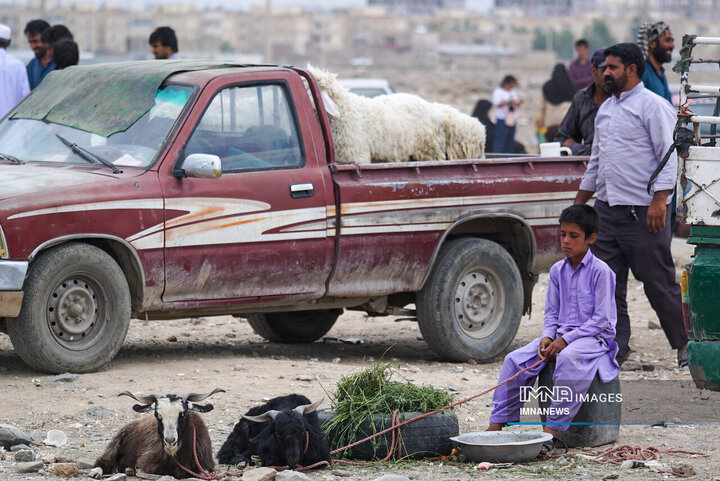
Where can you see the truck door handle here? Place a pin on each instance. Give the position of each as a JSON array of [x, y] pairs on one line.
[[298, 191]]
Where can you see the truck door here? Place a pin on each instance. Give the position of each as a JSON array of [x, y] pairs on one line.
[[261, 228]]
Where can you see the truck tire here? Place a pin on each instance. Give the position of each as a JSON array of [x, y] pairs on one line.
[[75, 312], [294, 327], [470, 306]]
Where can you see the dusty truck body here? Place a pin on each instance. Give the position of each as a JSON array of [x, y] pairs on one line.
[[212, 190]]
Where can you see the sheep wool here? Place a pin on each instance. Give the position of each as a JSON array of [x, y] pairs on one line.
[[397, 127]]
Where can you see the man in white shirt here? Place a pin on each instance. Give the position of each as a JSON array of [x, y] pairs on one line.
[[505, 100], [633, 131], [14, 84]]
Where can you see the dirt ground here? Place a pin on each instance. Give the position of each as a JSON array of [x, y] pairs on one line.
[[200, 354]]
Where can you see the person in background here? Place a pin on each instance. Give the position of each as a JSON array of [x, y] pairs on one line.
[[633, 131], [13, 76], [164, 44], [505, 100], [481, 112], [557, 94], [65, 53], [657, 44], [42, 63], [579, 69], [577, 129]]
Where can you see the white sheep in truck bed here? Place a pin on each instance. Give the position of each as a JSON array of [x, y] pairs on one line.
[[396, 127]]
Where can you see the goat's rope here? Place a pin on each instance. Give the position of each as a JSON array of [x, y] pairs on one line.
[[204, 474], [625, 452]]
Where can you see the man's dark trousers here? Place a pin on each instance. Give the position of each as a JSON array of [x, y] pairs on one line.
[[624, 243]]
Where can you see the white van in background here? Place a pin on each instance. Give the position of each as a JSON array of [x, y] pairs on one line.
[[367, 87]]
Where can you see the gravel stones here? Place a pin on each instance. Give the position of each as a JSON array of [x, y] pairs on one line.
[[291, 476], [31, 467], [24, 456]]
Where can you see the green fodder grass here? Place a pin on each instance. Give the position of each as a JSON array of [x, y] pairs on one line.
[[361, 395]]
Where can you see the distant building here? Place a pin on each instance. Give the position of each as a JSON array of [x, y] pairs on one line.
[[548, 8], [417, 7]]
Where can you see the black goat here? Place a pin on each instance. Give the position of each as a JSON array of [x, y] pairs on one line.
[[293, 438], [157, 444]]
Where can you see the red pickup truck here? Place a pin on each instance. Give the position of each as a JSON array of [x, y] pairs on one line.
[[162, 190]]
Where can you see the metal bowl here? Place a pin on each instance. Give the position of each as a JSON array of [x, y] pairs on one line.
[[501, 446]]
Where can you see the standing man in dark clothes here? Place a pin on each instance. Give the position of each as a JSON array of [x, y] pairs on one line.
[[633, 131], [657, 44], [42, 64], [577, 129], [579, 69]]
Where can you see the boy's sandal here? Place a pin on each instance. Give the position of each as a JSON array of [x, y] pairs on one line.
[[549, 448]]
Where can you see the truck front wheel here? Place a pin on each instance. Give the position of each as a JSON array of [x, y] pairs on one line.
[[294, 327], [470, 306], [75, 312]]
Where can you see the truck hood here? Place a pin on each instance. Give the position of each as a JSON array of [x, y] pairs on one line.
[[16, 180]]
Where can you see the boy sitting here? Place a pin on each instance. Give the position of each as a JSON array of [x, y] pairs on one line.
[[578, 332]]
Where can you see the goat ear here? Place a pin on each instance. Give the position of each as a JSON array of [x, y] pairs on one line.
[[261, 418], [206, 408], [308, 408], [143, 399], [143, 408], [197, 397]]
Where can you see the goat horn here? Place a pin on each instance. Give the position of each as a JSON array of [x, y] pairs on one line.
[[143, 399], [197, 397], [261, 418], [308, 408]]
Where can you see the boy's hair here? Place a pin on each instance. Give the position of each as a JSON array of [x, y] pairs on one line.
[[582, 42], [582, 215], [166, 37], [65, 54], [629, 54]]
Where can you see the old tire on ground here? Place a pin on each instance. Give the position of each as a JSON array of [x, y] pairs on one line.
[[470, 306], [75, 312], [294, 327], [429, 436]]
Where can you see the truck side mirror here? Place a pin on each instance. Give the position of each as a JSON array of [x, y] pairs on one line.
[[203, 166]]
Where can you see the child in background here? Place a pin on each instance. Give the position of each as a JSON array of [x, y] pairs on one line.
[[578, 332]]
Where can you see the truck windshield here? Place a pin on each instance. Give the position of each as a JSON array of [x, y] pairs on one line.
[[39, 141]]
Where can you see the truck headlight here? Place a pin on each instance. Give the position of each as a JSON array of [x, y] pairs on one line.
[[4, 254]]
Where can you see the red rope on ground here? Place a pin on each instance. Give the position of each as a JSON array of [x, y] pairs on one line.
[[625, 452], [205, 474]]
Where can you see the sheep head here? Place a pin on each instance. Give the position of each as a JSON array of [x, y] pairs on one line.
[[171, 412]]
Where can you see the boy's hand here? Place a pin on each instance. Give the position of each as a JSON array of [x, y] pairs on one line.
[[553, 349], [542, 348]]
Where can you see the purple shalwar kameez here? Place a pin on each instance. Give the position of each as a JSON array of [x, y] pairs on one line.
[[580, 307]]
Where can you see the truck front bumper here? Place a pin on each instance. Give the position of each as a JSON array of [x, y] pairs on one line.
[[12, 276]]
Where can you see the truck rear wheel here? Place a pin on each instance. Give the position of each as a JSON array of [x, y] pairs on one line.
[[75, 312], [294, 327], [470, 306]]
